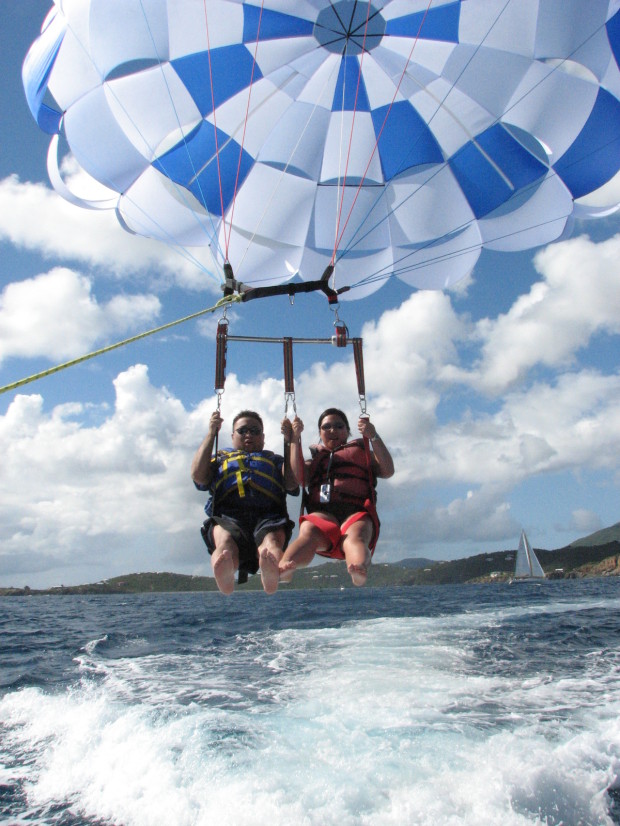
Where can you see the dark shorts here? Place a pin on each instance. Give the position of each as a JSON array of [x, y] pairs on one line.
[[248, 534]]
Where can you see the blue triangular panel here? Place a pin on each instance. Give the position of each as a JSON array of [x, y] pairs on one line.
[[192, 164], [594, 157], [441, 23], [36, 70], [476, 169], [273, 25], [404, 139], [347, 88], [230, 70], [613, 33]]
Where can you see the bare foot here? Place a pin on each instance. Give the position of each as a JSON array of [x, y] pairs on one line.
[[358, 574], [224, 571], [287, 569], [269, 571]]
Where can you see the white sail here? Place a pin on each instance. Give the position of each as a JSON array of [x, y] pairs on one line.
[[527, 565]]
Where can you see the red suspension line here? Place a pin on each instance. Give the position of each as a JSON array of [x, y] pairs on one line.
[[387, 114], [245, 126], [346, 168], [217, 149]]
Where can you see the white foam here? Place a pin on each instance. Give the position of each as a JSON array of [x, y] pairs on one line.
[[384, 722]]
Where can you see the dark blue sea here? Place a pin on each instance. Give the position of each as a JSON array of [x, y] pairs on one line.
[[492, 705]]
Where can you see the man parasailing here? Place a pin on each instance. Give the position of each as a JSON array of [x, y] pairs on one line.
[[248, 525]]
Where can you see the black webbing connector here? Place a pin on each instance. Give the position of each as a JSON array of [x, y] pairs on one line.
[[247, 293]]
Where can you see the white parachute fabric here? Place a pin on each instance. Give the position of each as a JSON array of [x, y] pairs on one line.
[[399, 137]]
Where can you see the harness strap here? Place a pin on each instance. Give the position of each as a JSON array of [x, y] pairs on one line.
[[373, 492], [359, 365], [221, 344], [358, 357], [289, 381]]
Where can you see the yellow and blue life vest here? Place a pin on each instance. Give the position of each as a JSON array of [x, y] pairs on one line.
[[255, 477]]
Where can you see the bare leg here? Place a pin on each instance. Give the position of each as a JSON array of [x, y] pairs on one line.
[[301, 552], [269, 556], [356, 551], [224, 560]]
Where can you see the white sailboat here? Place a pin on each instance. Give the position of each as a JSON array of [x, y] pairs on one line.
[[527, 566]]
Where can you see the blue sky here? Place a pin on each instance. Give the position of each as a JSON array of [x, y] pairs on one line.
[[500, 399]]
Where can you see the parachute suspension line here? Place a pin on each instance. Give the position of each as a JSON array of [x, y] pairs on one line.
[[169, 241], [389, 109], [228, 234], [16, 384], [356, 238], [195, 176], [215, 136], [440, 106], [553, 70], [268, 201], [384, 275], [341, 182], [181, 192], [227, 231], [351, 131]]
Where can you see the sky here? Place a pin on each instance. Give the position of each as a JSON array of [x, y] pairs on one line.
[[499, 399]]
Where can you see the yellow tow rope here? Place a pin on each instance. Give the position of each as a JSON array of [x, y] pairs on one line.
[[229, 299]]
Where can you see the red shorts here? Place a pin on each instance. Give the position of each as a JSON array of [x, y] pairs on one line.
[[335, 533]]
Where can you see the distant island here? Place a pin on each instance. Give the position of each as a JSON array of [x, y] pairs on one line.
[[595, 555]]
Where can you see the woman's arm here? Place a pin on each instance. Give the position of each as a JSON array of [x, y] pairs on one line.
[[383, 463], [296, 453]]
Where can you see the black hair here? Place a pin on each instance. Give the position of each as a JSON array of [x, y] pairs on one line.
[[248, 414], [334, 411]]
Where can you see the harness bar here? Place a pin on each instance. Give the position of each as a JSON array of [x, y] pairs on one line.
[[338, 340], [267, 340]]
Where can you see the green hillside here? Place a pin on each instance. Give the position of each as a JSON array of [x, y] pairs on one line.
[[602, 537], [586, 557]]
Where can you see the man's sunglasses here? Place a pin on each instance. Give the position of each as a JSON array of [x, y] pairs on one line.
[[253, 431]]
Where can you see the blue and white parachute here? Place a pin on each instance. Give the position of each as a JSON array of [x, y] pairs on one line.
[[393, 138]]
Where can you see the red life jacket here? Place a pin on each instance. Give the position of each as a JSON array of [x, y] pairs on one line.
[[345, 470]]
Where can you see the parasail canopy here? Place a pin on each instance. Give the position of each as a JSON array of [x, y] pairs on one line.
[[386, 138]]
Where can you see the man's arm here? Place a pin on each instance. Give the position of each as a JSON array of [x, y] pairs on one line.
[[290, 479], [202, 470]]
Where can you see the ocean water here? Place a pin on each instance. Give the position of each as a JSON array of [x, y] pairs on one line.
[[435, 706]]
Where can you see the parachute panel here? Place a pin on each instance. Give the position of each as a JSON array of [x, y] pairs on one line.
[[378, 136]]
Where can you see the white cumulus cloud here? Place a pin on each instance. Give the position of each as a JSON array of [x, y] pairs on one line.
[[34, 217], [56, 315], [577, 297]]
